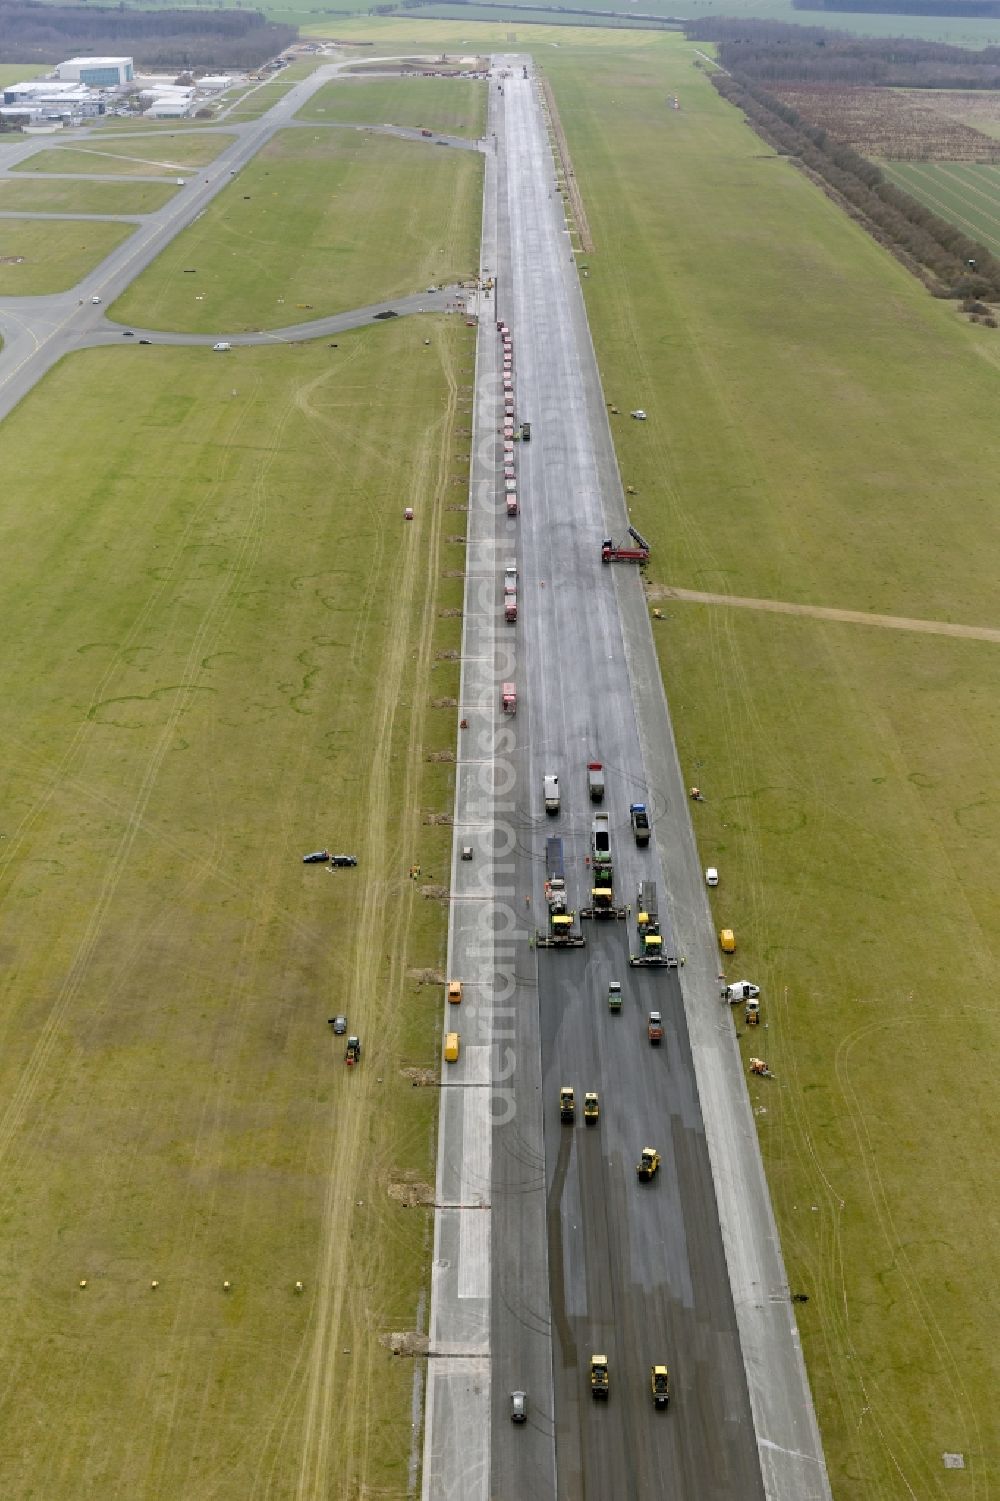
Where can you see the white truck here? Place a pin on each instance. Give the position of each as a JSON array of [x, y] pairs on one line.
[[551, 786]]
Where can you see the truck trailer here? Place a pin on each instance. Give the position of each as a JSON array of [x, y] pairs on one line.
[[560, 933], [602, 894], [647, 922]]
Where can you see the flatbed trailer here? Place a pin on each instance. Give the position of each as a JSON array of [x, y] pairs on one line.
[[561, 933], [651, 953]]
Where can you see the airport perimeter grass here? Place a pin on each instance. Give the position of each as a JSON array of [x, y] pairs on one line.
[[51, 255], [35, 195], [374, 218], [966, 193], [453, 106], [224, 648], [18, 72], [173, 152], [822, 432]]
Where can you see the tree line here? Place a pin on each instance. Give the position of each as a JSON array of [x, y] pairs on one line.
[[774, 52], [31, 32], [948, 262], [976, 10]]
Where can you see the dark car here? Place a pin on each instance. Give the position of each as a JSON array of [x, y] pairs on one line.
[[127, 333], [343, 859], [318, 857], [389, 313], [519, 1407]]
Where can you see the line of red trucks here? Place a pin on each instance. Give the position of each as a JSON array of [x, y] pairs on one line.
[[509, 475]]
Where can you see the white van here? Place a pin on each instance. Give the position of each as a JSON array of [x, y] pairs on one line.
[[223, 344], [551, 786]]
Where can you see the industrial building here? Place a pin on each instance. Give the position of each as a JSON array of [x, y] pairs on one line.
[[45, 99], [97, 72]]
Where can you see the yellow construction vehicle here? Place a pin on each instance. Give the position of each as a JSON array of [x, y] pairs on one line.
[[648, 1165], [659, 1383], [567, 1104], [600, 1384]]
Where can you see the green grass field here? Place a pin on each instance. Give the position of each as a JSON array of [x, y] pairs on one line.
[[454, 106], [18, 72], [39, 256], [63, 197], [396, 36], [178, 731], [530, 28], [967, 193], [821, 432], [172, 152], [375, 218]]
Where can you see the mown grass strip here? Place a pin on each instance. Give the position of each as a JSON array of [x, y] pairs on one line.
[[42, 256], [147, 156], [451, 106], [354, 243]]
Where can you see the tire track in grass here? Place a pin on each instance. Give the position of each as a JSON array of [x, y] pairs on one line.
[[181, 1343], [334, 1394], [361, 1407]]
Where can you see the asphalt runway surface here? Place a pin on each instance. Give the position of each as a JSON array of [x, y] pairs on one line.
[[635, 1271]]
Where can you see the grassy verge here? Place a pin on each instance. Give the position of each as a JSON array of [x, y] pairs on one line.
[[352, 244], [802, 446], [63, 197], [172, 152], [179, 730], [454, 106], [52, 255]]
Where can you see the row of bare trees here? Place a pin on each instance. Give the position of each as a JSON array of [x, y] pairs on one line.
[[775, 52], [949, 262]]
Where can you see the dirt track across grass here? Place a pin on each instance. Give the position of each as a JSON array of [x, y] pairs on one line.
[[826, 612]]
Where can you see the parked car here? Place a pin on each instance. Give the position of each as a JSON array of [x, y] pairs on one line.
[[339, 1025]]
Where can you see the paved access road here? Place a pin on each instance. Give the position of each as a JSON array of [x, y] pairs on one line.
[[582, 1258], [38, 331]]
